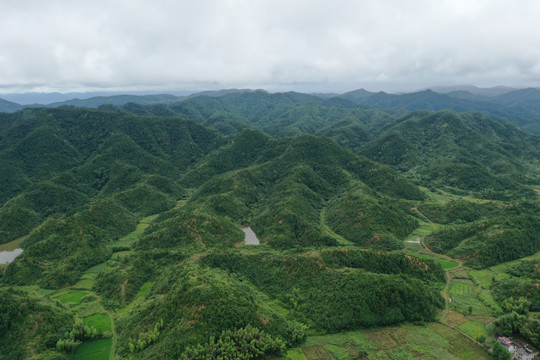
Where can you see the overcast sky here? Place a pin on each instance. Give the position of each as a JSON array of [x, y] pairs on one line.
[[303, 45]]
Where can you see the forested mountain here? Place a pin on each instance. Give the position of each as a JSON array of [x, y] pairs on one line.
[[135, 212], [519, 106], [471, 152]]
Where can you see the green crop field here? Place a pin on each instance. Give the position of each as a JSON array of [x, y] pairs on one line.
[[94, 350], [473, 328], [100, 321], [434, 341], [465, 298], [72, 296], [461, 347], [446, 264]]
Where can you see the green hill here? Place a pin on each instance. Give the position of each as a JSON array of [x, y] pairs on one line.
[[30, 325], [283, 187], [470, 152]]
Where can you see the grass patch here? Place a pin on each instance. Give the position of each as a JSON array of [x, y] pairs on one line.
[[72, 297], [482, 277], [84, 283], [96, 269], [139, 298], [94, 350], [295, 354], [473, 328], [130, 238], [100, 321], [12, 245]]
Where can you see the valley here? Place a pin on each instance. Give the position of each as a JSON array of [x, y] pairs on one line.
[[306, 228]]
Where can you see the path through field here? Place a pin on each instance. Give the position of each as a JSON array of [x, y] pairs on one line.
[[446, 296]]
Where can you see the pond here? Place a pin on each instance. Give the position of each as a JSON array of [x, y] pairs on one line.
[[250, 237], [9, 251]]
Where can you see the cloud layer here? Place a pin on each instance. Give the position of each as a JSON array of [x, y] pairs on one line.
[[311, 45]]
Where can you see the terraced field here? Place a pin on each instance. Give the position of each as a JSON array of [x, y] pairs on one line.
[[100, 321], [71, 296], [433, 341]]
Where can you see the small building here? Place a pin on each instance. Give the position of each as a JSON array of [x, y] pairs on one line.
[[507, 343]]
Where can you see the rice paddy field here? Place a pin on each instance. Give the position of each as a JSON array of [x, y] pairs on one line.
[[94, 350], [100, 321], [73, 297]]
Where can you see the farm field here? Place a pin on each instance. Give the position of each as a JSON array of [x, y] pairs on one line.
[[424, 229], [100, 321], [473, 328], [86, 282], [94, 350], [130, 238], [433, 341], [96, 269], [465, 297], [446, 264], [72, 296]]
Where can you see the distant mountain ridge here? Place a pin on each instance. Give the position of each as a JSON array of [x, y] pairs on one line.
[[97, 101], [8, 106], [475, 90], [521, 106]]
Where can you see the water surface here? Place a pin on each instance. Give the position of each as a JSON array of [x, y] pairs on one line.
[[8, 256], [250, 237], [9, 251]]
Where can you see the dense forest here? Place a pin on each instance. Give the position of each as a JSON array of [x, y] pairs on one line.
[[131, 214]]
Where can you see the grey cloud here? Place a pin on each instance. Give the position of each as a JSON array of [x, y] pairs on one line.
[[324, 45]]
